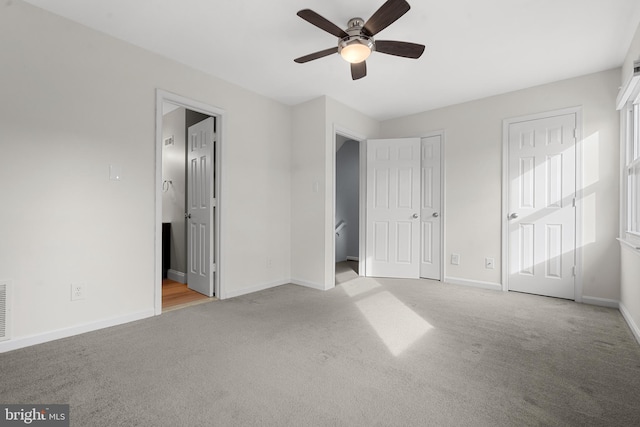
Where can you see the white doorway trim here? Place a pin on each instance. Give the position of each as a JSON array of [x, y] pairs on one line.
[[441, 134], [579, 193], [161, 97], [339, 130]]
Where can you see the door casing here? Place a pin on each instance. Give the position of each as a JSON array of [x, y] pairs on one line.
[[579, 193], [219, 234]]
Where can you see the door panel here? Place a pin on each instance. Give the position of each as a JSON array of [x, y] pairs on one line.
[[393, 206], [542, 186], [430, 209], [200, 274]]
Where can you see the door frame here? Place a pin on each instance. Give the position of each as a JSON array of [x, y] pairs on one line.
[[362, 146], [218, 231], [579, 193], [441, 134]]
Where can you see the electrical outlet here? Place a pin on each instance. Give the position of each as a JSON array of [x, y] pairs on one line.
[[455, 259], [77, 291], [489, 263]]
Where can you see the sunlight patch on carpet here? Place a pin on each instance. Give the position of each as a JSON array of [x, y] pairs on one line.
[[359, 286], [397, 325]]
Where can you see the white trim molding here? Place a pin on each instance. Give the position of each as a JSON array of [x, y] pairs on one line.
[[630, 88], [632, 325], [74, 330], [177, 276], [306, 284], [257, 288], [601, 302], [630, 245], [473, 283]]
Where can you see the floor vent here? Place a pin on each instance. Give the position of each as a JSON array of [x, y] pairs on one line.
[[4, 311]]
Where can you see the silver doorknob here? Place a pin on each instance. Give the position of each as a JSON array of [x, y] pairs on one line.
[[415, 216], [513, 216], [436, 215]]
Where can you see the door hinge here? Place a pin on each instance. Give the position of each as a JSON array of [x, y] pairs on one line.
[[573, 271], [573, 202], [213, 267], [214, 201], [575, 133]]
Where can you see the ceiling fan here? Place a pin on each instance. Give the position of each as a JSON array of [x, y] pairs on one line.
[[356, 43]]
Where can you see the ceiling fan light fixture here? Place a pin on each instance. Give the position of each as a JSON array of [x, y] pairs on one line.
[[355, 49], [355, 43]]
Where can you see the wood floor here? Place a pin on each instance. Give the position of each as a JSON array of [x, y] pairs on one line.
[[177, 295]]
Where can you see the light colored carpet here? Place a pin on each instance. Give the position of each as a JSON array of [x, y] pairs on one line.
[[369, 352]]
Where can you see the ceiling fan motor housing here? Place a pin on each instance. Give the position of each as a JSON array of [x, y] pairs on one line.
[[356, 36]]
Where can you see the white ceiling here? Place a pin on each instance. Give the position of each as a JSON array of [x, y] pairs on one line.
[[475, 48]]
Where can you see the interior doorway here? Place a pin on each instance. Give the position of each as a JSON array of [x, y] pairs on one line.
[[188, 242], [430, 168], [347, 235], [348, 211]]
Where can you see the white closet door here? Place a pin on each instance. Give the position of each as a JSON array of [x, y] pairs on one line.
[[393, 208]]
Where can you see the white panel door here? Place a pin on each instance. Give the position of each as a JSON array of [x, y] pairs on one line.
[[200, 203], [393, 208], [542, 187], [430, 209]]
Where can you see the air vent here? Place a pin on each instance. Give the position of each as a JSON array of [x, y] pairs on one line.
[[4, 310]]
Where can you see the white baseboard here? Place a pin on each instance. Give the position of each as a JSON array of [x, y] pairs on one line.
[[177, 276], [353, 258], [632, 324], [256, 288], [601, 302], [474, 283], [73, 330], [308, 284]]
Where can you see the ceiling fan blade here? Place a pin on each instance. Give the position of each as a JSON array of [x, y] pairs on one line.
[[322, 23], [404, 49], [358, 70], [316, 55], [388, 13]]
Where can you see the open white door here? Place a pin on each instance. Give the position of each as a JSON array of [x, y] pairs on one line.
[[430, 209], [393, 208], [200, 204], [542, 214]]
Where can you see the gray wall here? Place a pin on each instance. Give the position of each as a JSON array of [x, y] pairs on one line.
[[101, 232], [473, 176], [347, 199]]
